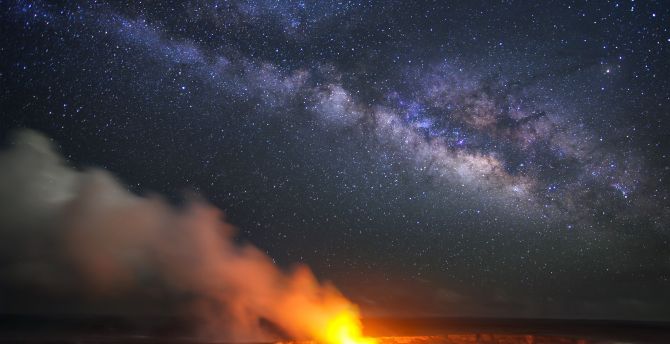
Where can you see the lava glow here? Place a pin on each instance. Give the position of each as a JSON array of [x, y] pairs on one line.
[[345, 328]]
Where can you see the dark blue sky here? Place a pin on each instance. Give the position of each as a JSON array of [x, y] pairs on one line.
[[467, 158]]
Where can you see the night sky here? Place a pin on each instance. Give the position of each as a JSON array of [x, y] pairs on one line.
[[468, 158]]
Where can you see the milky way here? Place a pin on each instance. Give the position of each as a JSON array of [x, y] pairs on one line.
[[485, 135], [482, 152]]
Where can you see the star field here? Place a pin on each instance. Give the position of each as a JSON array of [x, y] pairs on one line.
[[467, 157]]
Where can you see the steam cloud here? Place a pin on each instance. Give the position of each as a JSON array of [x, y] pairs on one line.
[[81, 236]]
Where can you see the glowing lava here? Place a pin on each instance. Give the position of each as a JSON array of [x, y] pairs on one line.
[[345, 328]]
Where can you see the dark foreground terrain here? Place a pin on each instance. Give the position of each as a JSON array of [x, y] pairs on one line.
[[75, 329]]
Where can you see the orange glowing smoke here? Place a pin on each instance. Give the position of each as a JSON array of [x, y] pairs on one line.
[[124, 253]]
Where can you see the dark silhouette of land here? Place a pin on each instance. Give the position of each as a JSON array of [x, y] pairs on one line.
[[434, 330]]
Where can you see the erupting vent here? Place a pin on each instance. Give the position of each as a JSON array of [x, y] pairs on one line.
[[480, 338]]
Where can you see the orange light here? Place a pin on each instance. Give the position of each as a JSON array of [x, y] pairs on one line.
[[345, 328]]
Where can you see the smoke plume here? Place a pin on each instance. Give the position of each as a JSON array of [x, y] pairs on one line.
[[80, 236]]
